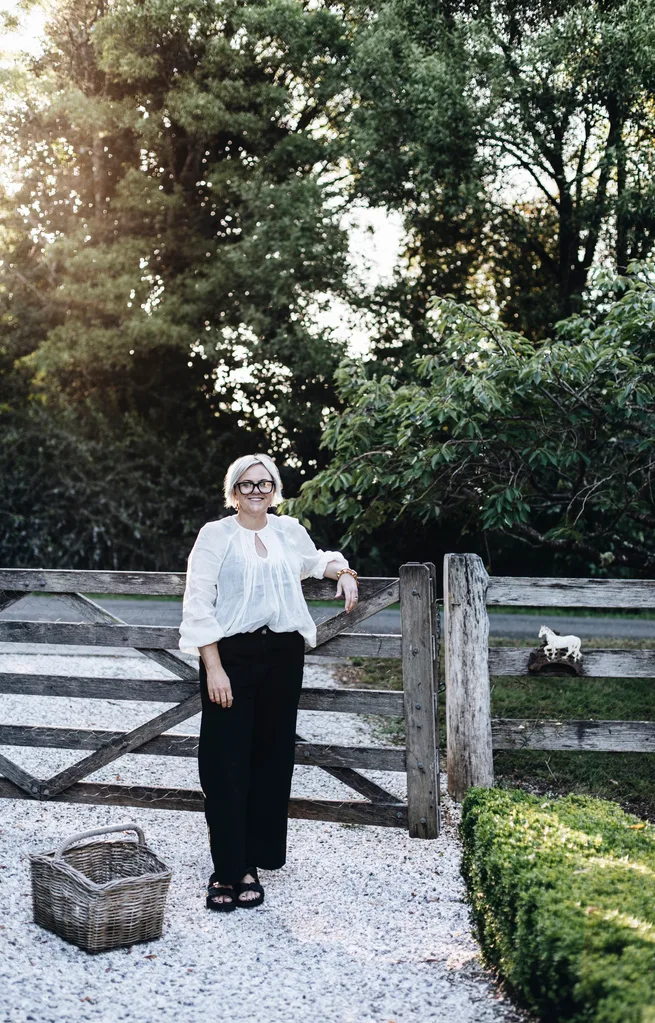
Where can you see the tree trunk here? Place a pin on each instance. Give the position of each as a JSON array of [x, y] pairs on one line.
[[621, 220], [98, 169]]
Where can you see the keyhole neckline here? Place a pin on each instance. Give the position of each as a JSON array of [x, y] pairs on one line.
[[262, 546]]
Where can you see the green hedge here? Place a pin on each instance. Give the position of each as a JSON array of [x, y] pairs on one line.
[[563, 898]]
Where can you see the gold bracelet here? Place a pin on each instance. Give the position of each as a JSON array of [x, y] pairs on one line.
[[348, 571]]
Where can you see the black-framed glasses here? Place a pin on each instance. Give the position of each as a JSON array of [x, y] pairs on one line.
[[263, 486]]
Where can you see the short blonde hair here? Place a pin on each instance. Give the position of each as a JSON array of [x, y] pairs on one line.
[[237, 469]]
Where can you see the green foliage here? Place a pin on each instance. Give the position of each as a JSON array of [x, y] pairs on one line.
[[164, 245], [551, 443], [115, 502], [196, 218], [174, 174], [563, 899], [515, 140]]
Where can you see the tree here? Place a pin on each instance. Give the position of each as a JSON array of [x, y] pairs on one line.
[[551, 444], [169, 235], [516, 139]]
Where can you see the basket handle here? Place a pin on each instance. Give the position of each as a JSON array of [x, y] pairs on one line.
[[99, 831]]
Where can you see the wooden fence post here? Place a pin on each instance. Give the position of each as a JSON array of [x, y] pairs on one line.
[[468, 703], [418, 652], [436, 678]]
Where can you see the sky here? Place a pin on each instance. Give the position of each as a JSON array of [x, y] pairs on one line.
[[375, 236], [27, 39]]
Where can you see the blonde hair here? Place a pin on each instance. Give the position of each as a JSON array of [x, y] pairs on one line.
[[237, 469]]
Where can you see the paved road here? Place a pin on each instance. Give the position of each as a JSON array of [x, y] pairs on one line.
[[155, 612], [525, 626]]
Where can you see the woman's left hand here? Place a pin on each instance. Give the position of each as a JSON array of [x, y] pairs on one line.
[[347, 588]]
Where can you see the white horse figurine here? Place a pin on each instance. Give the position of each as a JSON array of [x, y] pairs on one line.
[[555, 643]]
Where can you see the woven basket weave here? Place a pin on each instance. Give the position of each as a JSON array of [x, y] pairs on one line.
[[103, 894]]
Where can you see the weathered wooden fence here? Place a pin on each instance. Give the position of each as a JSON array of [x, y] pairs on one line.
[[472, 734], [418, 645]]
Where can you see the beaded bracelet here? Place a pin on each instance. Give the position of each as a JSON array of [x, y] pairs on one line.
[[348, 571]]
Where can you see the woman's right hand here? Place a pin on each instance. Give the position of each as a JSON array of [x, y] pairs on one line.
[[219, 688]]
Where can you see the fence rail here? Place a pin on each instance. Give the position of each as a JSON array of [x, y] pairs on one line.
[[418, 647], [20, 581], [509, 591], [158, 798], [605, 736], [164, 637], [596, 664], [472, 733]]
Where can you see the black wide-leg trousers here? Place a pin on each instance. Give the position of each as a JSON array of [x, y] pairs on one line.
[[246, 751]]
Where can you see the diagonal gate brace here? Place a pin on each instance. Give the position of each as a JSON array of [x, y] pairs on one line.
[[118, 746], [353, 779], [23, 779]]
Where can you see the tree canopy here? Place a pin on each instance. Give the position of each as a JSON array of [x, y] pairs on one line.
[[550, 443], [170, 236], [172, 185], [516, 139]]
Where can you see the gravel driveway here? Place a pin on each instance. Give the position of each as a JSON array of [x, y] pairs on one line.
[[364, 924]]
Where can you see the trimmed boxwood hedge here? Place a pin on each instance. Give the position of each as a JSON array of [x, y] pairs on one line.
[[563, 898]]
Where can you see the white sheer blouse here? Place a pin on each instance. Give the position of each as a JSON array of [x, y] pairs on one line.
[[231, 588]]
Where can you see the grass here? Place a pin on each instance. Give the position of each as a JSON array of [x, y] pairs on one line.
[[376, 673], [627, 778]]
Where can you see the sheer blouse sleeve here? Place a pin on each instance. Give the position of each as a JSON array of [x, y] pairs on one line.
[[199, 625], [314, 561]]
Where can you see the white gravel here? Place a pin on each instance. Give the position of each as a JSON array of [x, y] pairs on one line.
[[363, 925]]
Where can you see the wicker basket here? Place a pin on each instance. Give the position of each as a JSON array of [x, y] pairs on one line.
[[101, 895]]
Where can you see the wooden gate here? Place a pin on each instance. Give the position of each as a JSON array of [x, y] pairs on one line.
[[418, 646]]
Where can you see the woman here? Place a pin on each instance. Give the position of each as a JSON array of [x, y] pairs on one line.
[[245, 615]]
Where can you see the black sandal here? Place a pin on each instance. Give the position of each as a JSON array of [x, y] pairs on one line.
[[249, 886], [215, 888]]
